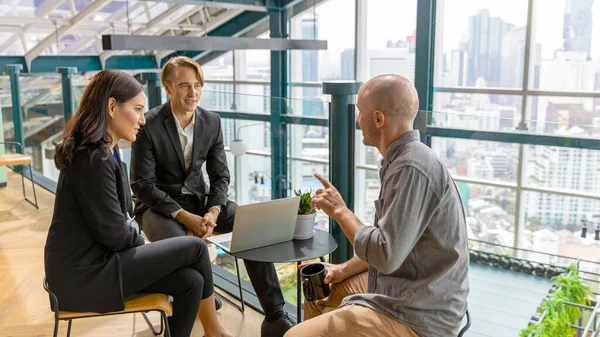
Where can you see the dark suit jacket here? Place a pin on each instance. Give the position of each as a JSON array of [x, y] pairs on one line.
[[89, 226], [157, 165]]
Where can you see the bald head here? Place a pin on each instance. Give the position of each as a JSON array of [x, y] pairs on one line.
[[393, 95]]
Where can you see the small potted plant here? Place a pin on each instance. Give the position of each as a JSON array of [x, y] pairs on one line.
[[305, 222]]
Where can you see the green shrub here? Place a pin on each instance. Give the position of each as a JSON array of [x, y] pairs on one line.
[[559, 316]]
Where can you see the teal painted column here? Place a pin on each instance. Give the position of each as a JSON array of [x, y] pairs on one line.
[[67, 90], [279, 62], [342, 127], [154, 88], [13, 71], [424, 64]]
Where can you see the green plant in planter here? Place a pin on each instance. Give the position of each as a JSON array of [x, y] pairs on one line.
[[559, 316], [305, 198]]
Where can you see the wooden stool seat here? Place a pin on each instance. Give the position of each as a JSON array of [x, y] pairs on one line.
[[135, 303], [18, 159], [138, 303], [12, 159]]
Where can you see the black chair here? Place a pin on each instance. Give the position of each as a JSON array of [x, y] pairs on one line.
[[467, 325], [139, 303]]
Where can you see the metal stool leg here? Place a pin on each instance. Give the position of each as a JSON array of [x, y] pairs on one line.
[[151, 326], [23, 180], [165, 320], [298, 294], [237, 269], [69, 329], [56, 322], [32, 185]]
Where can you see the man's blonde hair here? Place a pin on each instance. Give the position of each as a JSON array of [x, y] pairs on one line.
[[181, 61]]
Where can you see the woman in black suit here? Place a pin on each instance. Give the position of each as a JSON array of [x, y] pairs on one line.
[[93, 258]]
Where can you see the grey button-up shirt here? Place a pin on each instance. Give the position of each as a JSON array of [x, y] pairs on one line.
[[417, 250]]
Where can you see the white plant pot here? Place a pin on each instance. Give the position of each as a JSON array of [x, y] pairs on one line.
[[305, 226]]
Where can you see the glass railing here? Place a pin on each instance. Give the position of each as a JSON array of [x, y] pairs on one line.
[[43, 121], [531, 189]]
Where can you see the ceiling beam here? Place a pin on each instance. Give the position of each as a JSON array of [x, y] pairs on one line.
[[47, 6], [248, 5], [214, 23], [253, 26], [40, 29], [6, 44], [19, 20], [158, 19], [233, 27], [82, 43], [75, 21], [23, 42], [72, 7], [13, 24], [147, 10], [44, 9]]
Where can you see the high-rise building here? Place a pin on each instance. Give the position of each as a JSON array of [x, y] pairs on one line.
[[577, 26], [347, 64], [395, 59], [486, 35], [458, 68], [311, 105], [596, 108], [567, 71], [565, 169], [513, 57]]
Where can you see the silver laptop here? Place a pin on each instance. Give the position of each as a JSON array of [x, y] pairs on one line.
[[261, 224]]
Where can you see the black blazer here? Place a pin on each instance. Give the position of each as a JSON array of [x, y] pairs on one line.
[[157, 165], [88, 228]]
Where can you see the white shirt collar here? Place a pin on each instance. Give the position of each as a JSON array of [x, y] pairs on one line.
[[192, 123]]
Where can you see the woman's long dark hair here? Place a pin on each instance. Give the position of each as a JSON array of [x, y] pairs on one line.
[[88, 127]]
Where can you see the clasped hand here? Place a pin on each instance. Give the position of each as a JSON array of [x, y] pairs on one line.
[[201, 226]]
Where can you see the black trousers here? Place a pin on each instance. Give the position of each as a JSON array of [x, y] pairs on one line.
[[262, 274], [179, 267]]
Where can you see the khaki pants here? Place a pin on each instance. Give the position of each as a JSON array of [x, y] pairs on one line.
[[324, 320]]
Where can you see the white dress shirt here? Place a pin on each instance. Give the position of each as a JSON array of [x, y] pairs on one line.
[[186, 138]]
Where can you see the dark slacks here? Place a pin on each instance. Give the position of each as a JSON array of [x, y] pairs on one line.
[[179, 267], [262, 274]]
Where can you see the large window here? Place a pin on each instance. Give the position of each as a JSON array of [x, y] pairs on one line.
[[509, 68], [390, 46], [480, 43]]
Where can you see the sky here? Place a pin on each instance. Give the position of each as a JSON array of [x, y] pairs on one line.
[[395, 19]]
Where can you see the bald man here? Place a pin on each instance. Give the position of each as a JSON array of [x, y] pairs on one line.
[[409, 275]]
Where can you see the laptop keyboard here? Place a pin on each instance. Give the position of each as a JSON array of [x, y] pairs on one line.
[[226, 244]]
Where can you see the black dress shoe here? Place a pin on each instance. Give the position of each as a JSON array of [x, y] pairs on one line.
[[277, 328], [218, 303]]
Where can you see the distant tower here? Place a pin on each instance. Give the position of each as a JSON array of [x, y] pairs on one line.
[[310, 68], [577, 27]]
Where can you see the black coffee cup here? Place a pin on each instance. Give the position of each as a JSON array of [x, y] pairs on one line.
[[313, 282]]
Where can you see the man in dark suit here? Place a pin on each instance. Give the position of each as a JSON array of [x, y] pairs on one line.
[[171, 194]]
